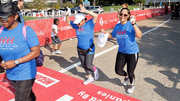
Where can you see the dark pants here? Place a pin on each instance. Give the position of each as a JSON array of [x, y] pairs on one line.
[[23, 90], [131, 60], [86, 62]]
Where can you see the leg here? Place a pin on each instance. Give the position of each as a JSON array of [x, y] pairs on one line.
[[59, 45], [131, 65], [23, 90], [120, 63]]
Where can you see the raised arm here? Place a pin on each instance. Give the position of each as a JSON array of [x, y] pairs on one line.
[[95, 16], [137, 30]]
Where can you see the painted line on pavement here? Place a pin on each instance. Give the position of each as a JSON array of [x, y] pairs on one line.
[[103, 52]]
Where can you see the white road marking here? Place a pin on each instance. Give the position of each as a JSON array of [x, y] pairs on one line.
[[103, 52]]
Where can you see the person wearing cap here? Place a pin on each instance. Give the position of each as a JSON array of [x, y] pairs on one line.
[[19, 3], [86, 48], [18, 52], [128, 52]]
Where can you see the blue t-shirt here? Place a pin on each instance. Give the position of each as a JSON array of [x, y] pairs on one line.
[[85, 35], [125, 36], [13, 45]]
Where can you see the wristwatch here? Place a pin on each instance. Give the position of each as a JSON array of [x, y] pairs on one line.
[[16, 62]]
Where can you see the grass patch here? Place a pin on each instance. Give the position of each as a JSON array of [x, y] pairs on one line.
[[26, 18], [108, 8]]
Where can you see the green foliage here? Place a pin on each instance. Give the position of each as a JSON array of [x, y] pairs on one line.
[[67, 4], [57, 6], [108, 8], [140, 1], [150, 4]]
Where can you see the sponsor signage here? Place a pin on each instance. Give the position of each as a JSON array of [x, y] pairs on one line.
[[51, 85]]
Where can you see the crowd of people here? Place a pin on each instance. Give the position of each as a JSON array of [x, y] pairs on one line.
[[19, 60]]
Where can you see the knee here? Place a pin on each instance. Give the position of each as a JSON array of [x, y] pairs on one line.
[[120, 73]]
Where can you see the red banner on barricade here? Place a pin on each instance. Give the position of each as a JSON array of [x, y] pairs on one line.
[[105, 21]]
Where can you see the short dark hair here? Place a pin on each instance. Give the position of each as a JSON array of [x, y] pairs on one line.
[[55, 20]]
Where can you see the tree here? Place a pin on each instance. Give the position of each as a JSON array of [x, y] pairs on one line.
[[39, 4], [140, 2]]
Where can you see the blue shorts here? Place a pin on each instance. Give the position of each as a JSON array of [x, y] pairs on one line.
[[55, 40]]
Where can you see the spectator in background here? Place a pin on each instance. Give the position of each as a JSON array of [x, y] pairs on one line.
[[172, 7], [177, 9], [55, 37], [166, 9], [19, 3], [19, 56]]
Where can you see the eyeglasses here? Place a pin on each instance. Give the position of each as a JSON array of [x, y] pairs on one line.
[[125, 15], [5, 18]]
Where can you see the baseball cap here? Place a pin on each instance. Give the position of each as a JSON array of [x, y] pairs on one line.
[[14, 0], [8, 9], [78, 18], [102, 38]]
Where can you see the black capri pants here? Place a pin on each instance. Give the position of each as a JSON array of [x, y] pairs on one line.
[[131, 60], [87, 63]]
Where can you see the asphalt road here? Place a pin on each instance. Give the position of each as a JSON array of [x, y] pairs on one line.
[[158, 69]]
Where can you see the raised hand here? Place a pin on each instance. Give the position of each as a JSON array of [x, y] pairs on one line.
[[83, 10]]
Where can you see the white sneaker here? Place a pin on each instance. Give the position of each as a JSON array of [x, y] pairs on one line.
[[131, 89], [126, 81], [53, 53], [58, 52], [96, 74], [89, 80]]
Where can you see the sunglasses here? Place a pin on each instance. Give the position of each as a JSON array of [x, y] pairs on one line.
[[125, 15], [5, 18]]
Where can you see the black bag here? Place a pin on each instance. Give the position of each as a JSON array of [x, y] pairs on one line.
[[83, 51]]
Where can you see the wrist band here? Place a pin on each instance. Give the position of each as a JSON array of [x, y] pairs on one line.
[[86, 11], [134, 24]]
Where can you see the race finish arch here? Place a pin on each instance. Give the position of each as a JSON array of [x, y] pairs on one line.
[[51, 85]]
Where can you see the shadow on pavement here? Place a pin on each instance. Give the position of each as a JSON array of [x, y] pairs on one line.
[[161, 48]]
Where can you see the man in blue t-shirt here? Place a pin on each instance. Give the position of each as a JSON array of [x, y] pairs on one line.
[[86, 48]]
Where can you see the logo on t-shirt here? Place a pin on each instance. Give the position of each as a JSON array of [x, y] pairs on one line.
[[6, 43], [121, 32]]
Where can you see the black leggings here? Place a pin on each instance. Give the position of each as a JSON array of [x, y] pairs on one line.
[[87, 63], [23, 90], [131, 60]]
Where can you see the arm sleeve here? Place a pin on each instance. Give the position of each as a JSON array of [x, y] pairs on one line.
[[32, 39], [114, 32], [73, 25], [91, 22]]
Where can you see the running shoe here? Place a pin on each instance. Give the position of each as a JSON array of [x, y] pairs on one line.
[[89, 80], [96, 74], [58, 52], [131, 89], [126, 81], [53, 53]]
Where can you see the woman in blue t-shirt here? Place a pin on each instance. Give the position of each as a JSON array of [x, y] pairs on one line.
[[128, 52], [18, 52], [86, 48]]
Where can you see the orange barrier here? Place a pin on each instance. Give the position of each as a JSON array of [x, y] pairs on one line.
[[106, 21]]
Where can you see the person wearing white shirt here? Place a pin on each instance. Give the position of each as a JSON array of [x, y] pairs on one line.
[[55, 37]]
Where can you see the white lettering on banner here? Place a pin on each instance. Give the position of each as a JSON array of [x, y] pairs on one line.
[[66, 28], [65, 98], [6, 85], [45, 80], [101, 21], [40, 33], [110, 97], [87, 97]]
